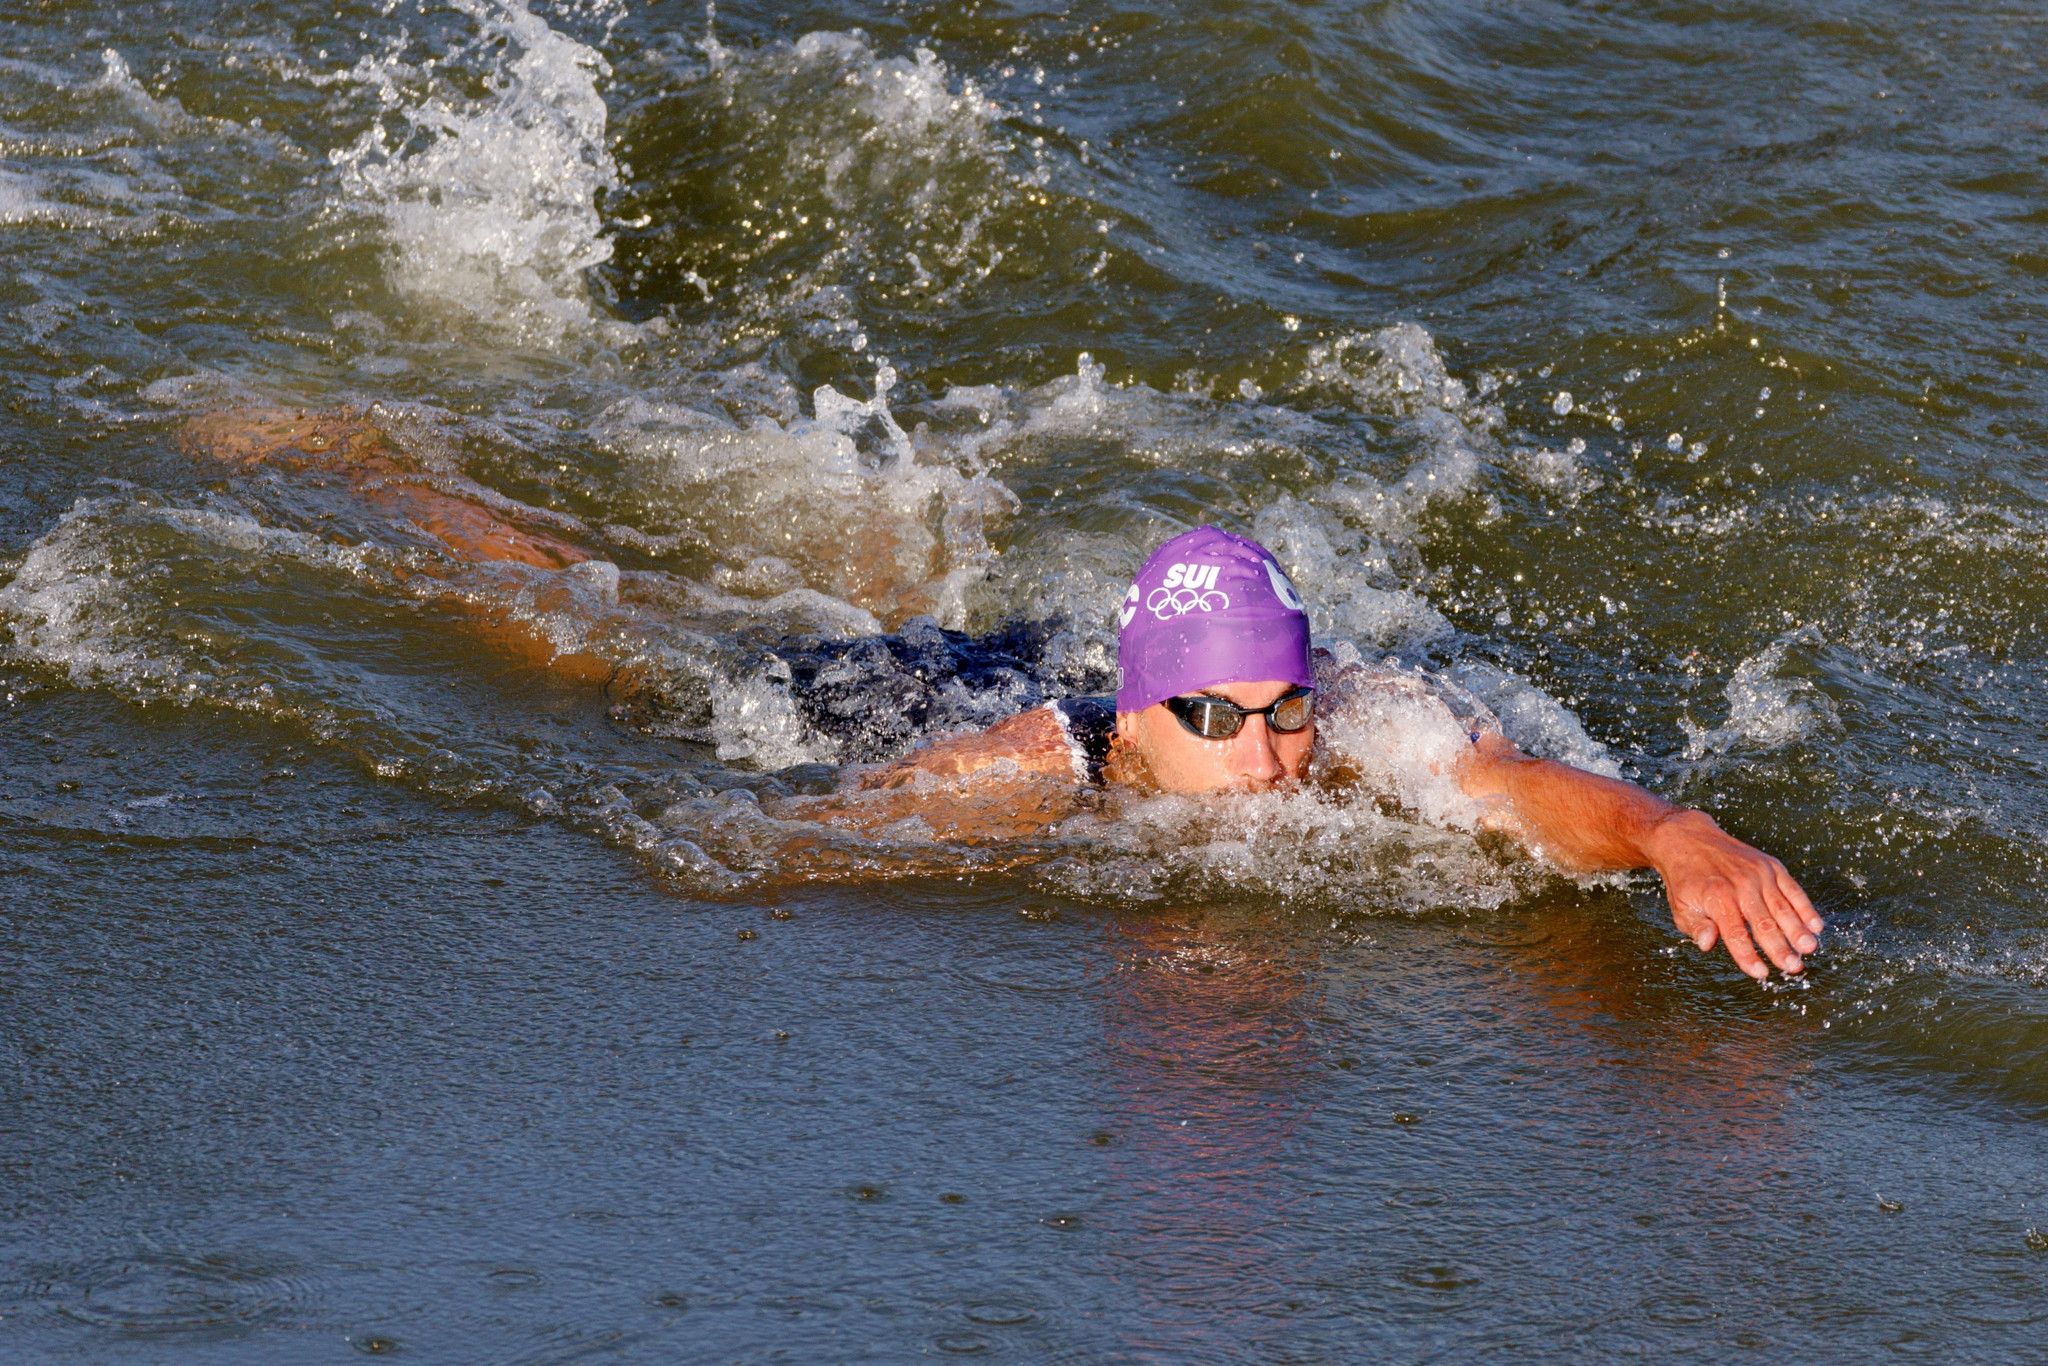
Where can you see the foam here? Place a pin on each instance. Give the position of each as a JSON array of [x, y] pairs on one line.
[[63, 607], [1401, 732], [1312, 852], [116, 79], [890, 177]]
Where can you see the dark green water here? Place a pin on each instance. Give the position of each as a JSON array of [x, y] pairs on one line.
[[1670, 373]]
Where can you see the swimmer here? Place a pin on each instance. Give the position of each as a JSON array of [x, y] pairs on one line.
[[1218, 692]]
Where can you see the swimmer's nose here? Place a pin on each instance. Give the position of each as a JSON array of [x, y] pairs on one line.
[[1253, 759]]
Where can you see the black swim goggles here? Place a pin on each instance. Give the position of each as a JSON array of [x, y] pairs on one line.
[[1217, 718]]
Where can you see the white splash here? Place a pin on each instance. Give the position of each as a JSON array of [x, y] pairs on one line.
[[490, 205], [1766, 711], [842, 499]]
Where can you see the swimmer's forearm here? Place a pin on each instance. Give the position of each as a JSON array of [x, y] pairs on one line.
[[1029, 744], [1720, 889], [1578, 819]]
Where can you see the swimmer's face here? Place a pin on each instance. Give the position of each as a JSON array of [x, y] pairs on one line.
[[1256, 759]]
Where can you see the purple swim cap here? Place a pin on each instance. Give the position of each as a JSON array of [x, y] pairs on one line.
[[1208, 608]]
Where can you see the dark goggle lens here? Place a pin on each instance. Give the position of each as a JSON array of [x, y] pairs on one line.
[[1290, 714], [1212, 718]]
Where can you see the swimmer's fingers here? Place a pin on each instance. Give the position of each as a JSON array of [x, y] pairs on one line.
[[1724, 890], [1709, 908], [1795, 896], [1735, 938], [1770, 936], [1712, 911], [1695, 925], [1740, 919], [1800, 928]]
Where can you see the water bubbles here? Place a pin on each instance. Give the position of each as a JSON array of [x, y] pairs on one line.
[[1674, 442], [1562, 404]]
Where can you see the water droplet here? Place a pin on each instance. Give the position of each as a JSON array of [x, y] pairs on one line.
[[1562, 404]]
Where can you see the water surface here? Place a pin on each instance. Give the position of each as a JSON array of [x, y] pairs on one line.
[[1668, 374]]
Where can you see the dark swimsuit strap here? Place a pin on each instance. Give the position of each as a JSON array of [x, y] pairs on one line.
[[1090, 725]]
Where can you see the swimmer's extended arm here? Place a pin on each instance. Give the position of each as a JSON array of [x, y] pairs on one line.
[[1719, 887]]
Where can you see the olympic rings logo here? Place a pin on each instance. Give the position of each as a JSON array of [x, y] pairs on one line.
[[1167, 603]]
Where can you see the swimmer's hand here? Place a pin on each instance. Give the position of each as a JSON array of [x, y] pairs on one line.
[[1722, 889]]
